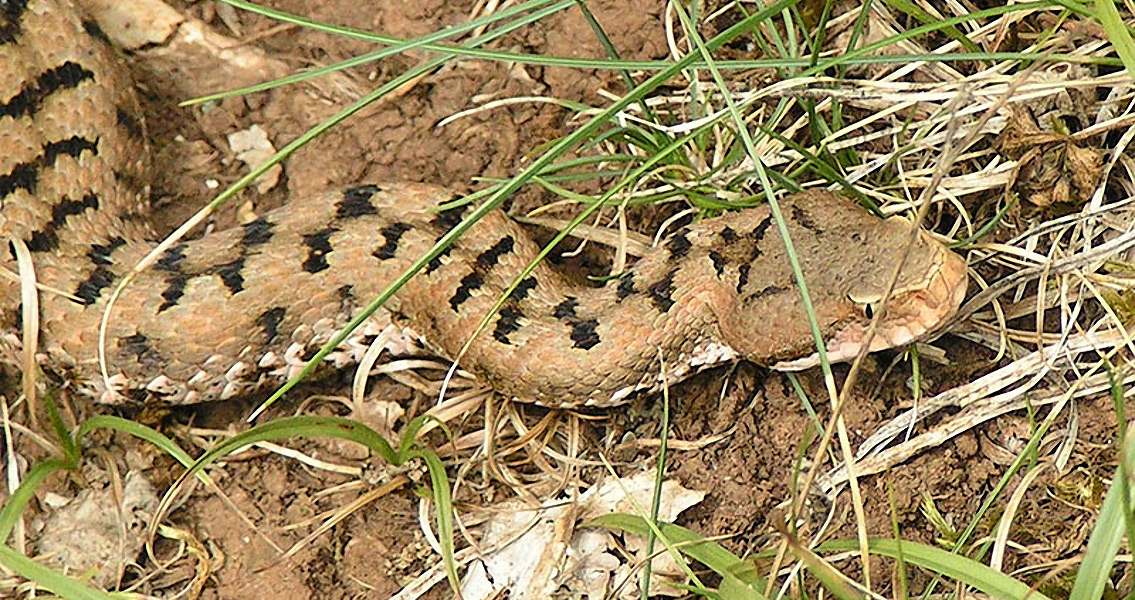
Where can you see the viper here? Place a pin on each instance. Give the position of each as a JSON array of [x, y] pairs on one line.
[[241, 308]]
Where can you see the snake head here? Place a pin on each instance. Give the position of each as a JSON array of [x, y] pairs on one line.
[[848, 258], [927, 293]]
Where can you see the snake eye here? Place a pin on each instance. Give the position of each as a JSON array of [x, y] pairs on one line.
[[866, 306]]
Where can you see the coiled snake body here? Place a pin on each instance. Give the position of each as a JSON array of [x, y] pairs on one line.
[[224, 314]]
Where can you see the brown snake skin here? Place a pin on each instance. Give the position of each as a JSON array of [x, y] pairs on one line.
[[240, 308]]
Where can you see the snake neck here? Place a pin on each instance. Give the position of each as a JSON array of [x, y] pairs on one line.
[[567, 346]]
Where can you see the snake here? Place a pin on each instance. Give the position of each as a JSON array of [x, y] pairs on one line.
[[237, 309]]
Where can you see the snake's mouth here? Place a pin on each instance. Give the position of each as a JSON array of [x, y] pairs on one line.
[[911, 315]]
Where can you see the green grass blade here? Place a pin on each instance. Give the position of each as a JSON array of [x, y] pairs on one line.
[[925, 17], [443, 513], [56, 583], [829, 577], [867, 49], [427, 41], [396, 45], [141, 432], [1117, 32], [1113, 520], [410, 433], [302, 427], [18, 501], [656, 497], [66, 441], [959, 568], [739, 579]]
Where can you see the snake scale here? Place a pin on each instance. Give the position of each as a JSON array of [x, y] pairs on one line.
[[240, 308]]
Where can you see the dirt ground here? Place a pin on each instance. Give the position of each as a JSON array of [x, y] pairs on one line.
[[747, 471]]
